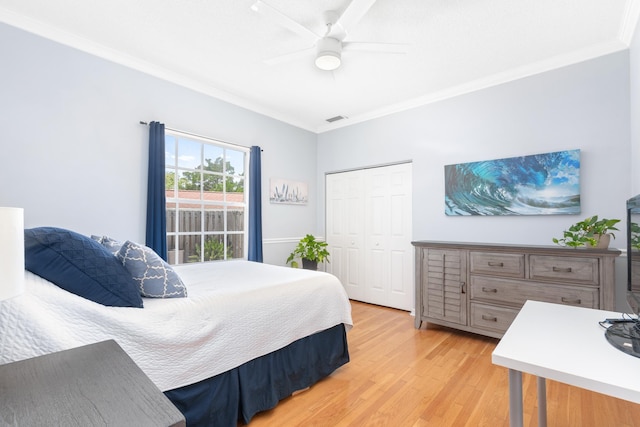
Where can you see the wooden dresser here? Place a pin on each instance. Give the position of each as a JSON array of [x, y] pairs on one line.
[[480, 287]]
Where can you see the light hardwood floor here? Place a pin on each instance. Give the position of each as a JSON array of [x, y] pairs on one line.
[[401, 376]]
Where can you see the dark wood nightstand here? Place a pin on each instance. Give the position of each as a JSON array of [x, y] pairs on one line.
[[97, 384]]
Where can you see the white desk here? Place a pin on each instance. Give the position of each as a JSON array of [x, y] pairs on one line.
[[565, 344]]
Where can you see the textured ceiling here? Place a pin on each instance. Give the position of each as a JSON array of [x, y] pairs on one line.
[[219, 47]]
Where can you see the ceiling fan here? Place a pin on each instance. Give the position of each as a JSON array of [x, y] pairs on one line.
[[330, 45]]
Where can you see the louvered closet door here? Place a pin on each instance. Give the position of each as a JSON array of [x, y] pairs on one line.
[[444, 293], [369, 234]]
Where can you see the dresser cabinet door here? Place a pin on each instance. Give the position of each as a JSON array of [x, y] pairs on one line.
[[444, 285]]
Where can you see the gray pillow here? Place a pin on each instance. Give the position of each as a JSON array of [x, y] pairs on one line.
[[155, 278], [112, 245]]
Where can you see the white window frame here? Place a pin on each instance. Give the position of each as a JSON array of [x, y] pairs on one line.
[[177, 201]]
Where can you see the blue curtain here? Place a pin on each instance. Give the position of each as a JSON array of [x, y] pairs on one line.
[[255, 205], [156, 237]]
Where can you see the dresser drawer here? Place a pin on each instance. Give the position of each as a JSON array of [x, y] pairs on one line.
[[497, 264], [517, 292], [495, 319], [567, 269]]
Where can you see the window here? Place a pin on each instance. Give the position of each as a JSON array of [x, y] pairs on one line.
[[205, 184]]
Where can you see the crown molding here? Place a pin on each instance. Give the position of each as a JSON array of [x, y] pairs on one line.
[[629, 22], [631, 17], [484, 83], [80, 43]]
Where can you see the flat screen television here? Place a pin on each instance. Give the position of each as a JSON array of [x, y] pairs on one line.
[[625, 335], [633, 254]]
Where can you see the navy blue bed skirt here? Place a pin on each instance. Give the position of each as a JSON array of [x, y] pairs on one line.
[[237, 395]]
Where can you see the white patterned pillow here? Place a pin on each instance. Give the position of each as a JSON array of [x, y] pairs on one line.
[[154, 277]]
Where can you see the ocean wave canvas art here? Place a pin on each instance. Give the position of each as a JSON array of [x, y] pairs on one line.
[[539, 184]]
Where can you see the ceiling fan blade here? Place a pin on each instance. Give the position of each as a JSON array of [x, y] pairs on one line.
[[353, 13], [376, 47], [282, 19], [289, 56]]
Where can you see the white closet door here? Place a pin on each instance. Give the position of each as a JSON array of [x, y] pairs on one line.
[[345, 231], [377, 214]]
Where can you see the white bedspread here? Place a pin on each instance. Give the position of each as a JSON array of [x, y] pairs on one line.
[[236, 311]]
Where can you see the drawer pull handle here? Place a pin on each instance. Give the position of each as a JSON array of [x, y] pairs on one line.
[[562, 270], [495, 264], [490, 290], [571, 301], [489, 318]]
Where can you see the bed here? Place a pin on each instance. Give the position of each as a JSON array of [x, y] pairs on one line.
[[246, 336]]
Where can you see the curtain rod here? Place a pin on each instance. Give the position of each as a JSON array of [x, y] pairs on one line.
[[201, 136]]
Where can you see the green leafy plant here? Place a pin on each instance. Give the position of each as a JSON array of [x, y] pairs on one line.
[[587, 232], [310, 249], [213, 250], [635, 236]]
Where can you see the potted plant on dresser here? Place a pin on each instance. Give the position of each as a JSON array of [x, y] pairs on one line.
[[311, 251], [591, 232]]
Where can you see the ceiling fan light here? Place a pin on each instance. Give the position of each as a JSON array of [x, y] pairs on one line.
[[329, 54], [328, 61]]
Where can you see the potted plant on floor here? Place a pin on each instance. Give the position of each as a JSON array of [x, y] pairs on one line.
[[311, 251], [591, 232]]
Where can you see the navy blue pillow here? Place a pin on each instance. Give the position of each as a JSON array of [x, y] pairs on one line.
[[79, 265]]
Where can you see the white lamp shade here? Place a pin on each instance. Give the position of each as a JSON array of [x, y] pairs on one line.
[[11, 252]]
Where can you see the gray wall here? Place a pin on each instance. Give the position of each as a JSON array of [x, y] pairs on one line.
[[75, 156], [584, 106]]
